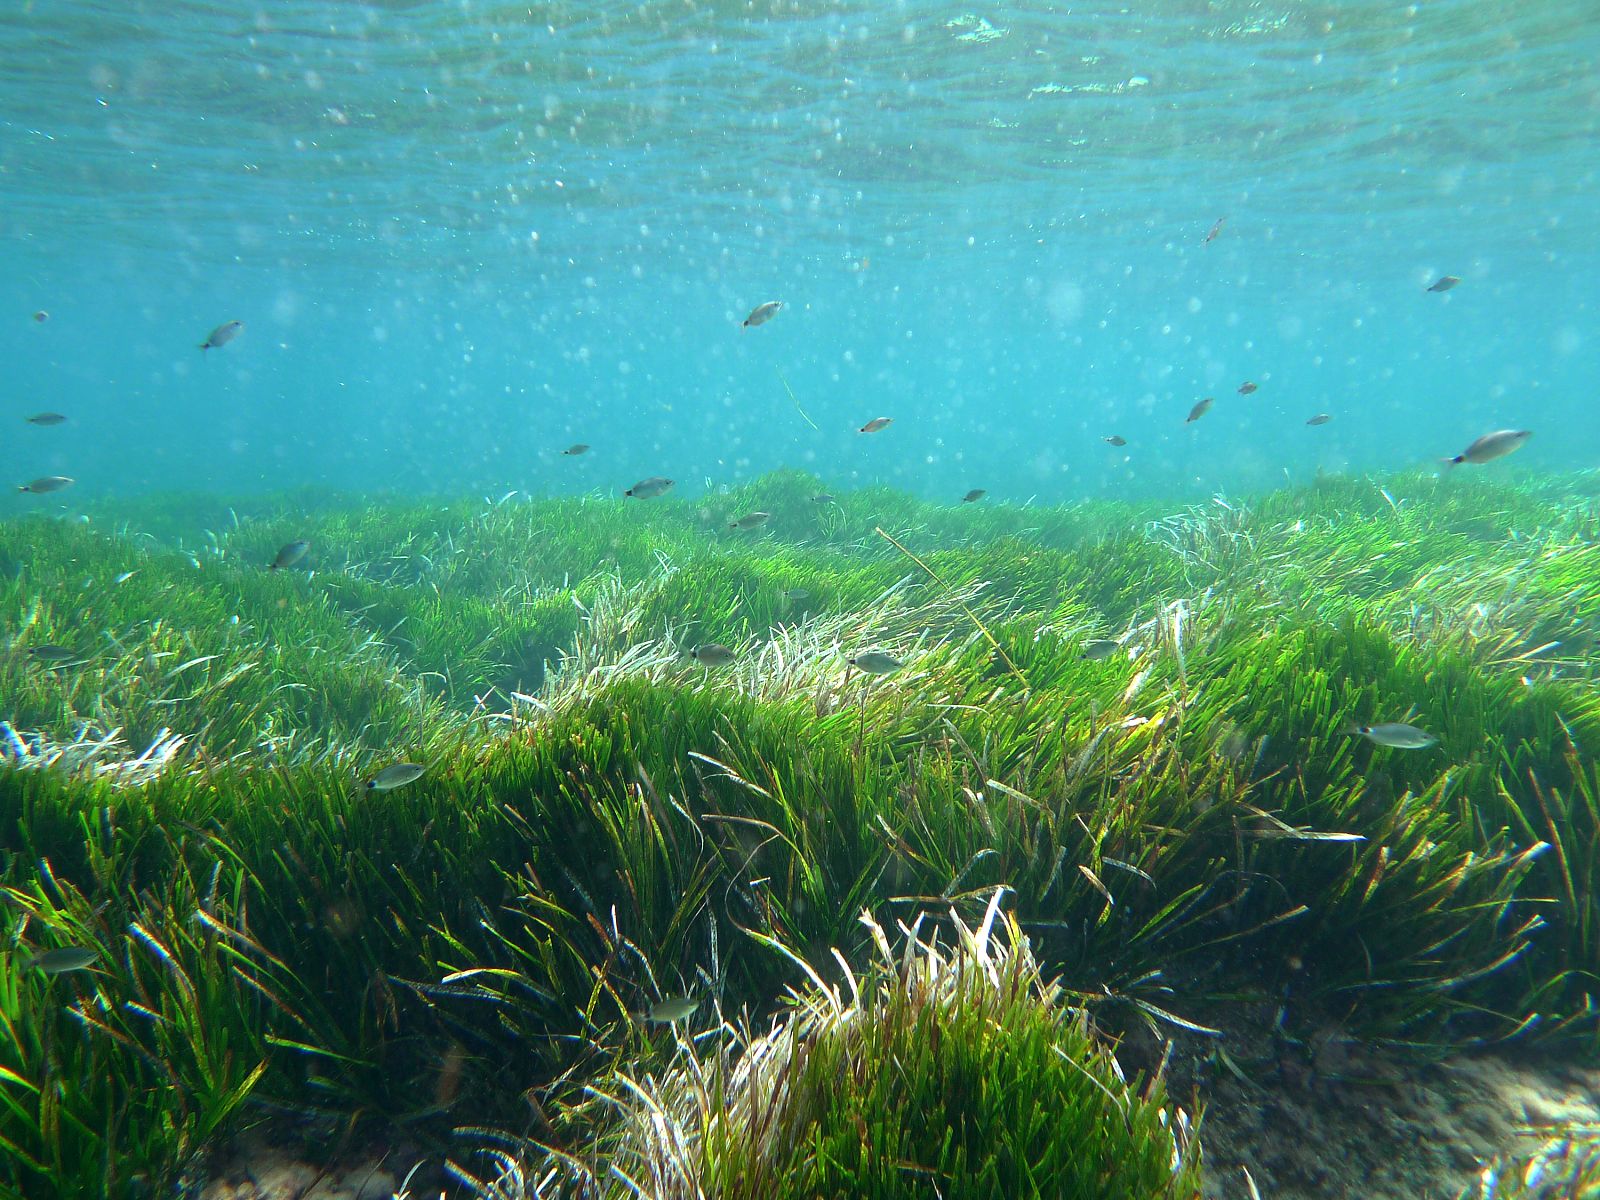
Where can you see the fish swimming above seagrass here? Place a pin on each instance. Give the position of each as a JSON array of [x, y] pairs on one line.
[[1491, 446], [222, 335], [762, 313], [395, 776], [876, 662], [289, 554], [1394, 735], [646, 489]]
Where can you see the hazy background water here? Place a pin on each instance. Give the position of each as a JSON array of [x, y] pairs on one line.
[[463, 235]]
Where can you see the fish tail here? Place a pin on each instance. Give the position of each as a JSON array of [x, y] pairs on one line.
[[1353, 728], [1453, 462]]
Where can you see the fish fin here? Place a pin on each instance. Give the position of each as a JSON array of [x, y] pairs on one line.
[[1453, 462], [1353, 729]]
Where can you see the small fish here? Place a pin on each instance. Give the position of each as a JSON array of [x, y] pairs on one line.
[[46, 418], [41, 316], [672, 1009], [797, 595], [47, 483], [1200, 410], [1246, 388], [1394, 735], [1444, 283], [576, 449], [762, 313], [1215, 229], [222, 335], [1098, 648], [655, 485], [289, 554], [1320, 419], [876, 424], [1115, 440], [712, 654], [395, 776], [750, 520], [823, 498], [62, 959], [876, 662], [974, 495], [53, 654], [1491, 446]]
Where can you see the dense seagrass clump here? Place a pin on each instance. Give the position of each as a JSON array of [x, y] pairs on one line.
[[950, 1071]]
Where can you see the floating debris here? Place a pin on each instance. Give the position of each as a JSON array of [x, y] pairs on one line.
[[713, 654], [395, 776], [1200, 410], [672, 1009], [1491, 446], [876, 662], [1394, 735], [645, 489], [289, 555], [1444, 283], [222, 335], [750, 520], [576, 449], [46, 418], [974, 495], [47, 483], [762, 313], [876, 424], [1115, 440], [1246, 388], [1097, 649], [62, 959], [1320, 419]]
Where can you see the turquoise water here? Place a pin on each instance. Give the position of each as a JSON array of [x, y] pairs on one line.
[[464, 235]]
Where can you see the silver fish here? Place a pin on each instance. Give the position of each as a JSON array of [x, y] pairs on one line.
[[222, 335], [797, 595], [53, 654], [290, 554], [395, 776], [876, 662], [47, 483], [1444, 283], [712, 654], [762, 313], [1200, 409], [876, 424], [750, 520], [1320, 419], [1491, 446], [1246, 388], [645, 489], [1115, 440], [1098, 648], [46, 418], [41, 316], [974, 495], [672, 1009], [62, 959], [823, 498], [576, 449], [1394, 735]]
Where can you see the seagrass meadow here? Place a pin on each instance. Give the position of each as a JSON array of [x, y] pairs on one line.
[[982, 926]]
